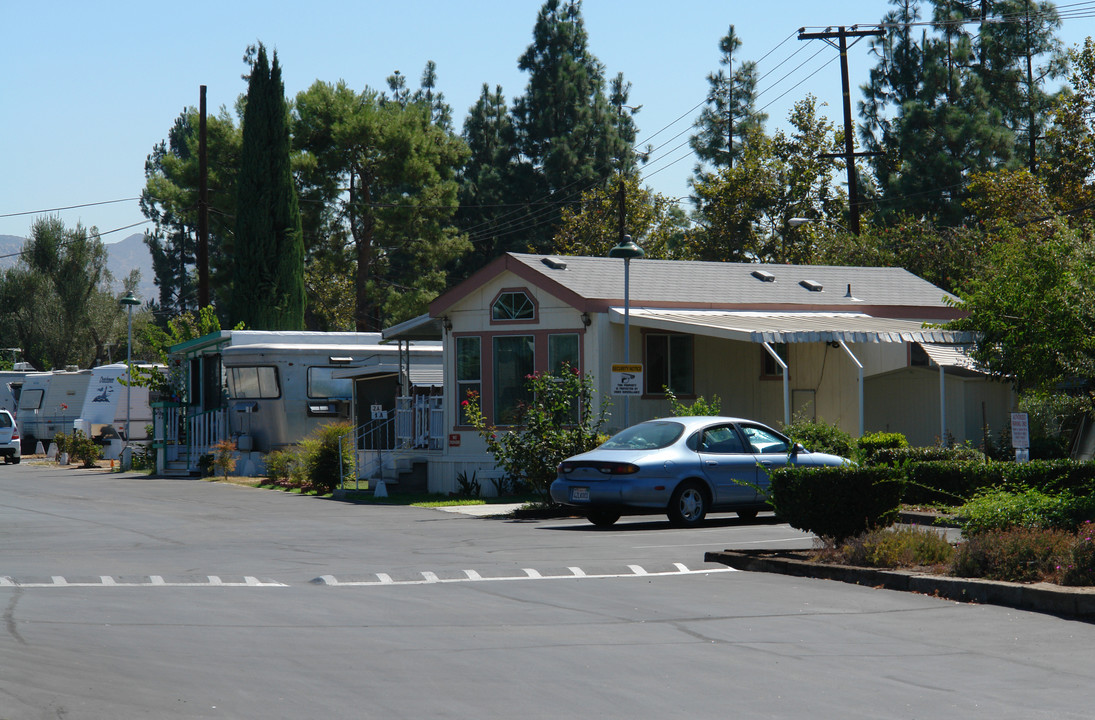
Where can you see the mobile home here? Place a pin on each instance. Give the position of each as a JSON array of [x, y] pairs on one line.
[[279, 393], [270, 389]]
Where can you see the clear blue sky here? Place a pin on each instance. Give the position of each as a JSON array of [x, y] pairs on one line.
[[88, 88]]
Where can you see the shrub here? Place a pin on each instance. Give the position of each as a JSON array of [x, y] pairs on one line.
[[949, 483], [1000, 510], [870, 444], [1015, 555], [699, 406], [836, 502], [1079, 567], [279, 466], [222, 457], [820, 436], [470, 487], [559, 421], [322, 460], [79, 447], [888, 548], [934, 453]]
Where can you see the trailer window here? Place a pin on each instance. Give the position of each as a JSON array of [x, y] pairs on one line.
[[322, 385], [253, 382], [30, 399]]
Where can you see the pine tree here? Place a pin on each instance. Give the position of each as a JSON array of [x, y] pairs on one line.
[[730, 115], [567, 128], [268, 249]]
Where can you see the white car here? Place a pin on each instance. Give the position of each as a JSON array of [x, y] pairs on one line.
[[9, 438]]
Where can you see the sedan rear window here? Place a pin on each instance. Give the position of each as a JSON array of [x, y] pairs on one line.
[[645, 436]]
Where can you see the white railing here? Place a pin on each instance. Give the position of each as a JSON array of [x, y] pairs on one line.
[[420, 422], [185, 437]]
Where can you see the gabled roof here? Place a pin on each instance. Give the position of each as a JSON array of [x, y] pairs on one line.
[[595, 284]]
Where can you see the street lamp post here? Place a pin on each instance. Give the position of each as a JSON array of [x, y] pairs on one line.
[[129, 301], [627, 250], [797, 221]]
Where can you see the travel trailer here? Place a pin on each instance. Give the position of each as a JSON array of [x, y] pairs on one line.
[[279, 393], [103, 411], [49, 403], [267, 390]]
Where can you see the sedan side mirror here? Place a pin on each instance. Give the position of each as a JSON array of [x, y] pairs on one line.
[[797, 448]]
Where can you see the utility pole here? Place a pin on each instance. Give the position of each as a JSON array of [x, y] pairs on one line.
[[203, 208], [849, 154]]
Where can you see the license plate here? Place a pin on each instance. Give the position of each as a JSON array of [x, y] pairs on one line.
[[577, 494]]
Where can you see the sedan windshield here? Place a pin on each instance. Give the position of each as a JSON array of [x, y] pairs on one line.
[[645, 436]]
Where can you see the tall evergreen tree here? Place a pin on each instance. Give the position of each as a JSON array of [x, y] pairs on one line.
[[170, 200], [268, 249], [566, 127], [383, 167], [730, 115]]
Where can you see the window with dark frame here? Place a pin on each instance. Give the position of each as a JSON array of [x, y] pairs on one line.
[[469, 374], [669, 359]]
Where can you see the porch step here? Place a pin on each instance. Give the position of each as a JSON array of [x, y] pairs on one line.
[[178, 469]]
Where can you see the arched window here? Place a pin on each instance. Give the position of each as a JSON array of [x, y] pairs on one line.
[[513, 306]]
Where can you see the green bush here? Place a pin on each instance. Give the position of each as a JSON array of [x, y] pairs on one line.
[[999, 510], [836, 502], [79, 447], [872, 443], [820, 436], [280, 466], [894, 547], [1052, 476], [557, 422], [901, 455], [322, 459], [949, 483]]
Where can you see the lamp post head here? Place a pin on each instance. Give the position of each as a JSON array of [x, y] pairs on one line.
[[129, 299], [627, 250]]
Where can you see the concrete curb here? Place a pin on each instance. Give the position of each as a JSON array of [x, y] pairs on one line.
[[1077, 603]]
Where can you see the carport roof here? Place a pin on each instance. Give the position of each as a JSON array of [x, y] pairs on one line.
[[789, 327]]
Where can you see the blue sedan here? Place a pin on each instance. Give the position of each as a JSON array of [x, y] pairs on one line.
[[682, 466]]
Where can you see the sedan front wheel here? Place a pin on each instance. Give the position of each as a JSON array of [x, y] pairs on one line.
[[688, 505]]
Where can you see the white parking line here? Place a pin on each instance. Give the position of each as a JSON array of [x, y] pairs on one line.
[[430, 578]]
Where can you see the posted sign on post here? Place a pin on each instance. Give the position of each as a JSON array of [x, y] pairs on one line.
[[1020, 436], [627, 378]]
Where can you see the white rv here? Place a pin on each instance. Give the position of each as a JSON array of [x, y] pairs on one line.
[[103, 411], [49, 403]]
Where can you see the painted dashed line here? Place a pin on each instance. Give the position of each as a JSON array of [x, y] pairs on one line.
[[425, 577], [430, 578], [153, 581]]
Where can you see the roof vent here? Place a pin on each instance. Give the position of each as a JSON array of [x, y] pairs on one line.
[[763, 276], [811, 285], [554, 263]]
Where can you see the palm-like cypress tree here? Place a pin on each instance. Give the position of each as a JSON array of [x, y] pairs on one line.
[[268, 249]]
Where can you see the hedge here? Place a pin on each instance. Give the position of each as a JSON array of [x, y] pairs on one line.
[[836, 502]]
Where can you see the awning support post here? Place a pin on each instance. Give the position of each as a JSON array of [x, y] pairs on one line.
[[942, 407], [786, 382], [858, 365]]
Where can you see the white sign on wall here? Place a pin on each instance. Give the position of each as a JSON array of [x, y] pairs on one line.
[[627, 378]]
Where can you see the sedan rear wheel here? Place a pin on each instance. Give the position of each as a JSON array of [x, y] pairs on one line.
[[688, 505], [602, 518]]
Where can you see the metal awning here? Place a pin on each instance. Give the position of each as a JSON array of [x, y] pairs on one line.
[[789, 327], [951, 356], [422, 327], [421, 374]]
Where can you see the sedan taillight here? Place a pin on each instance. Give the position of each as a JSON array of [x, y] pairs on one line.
[[607, 468]]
